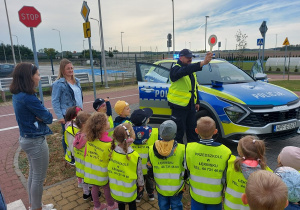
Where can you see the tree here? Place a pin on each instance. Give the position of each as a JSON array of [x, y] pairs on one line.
[[50, 52], [241, 46]]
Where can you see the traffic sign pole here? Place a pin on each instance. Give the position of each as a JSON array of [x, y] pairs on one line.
[[36, 62]]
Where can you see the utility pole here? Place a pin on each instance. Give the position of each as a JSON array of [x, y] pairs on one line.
[[205, 29]]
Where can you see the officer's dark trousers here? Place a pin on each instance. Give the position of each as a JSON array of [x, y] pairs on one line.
[[185, 121]]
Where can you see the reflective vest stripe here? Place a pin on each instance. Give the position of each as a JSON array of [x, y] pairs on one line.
[[79, 171], [79, 167], [205, 180], [122, 194], [144, 167], [79, 160], [235, 206], [233, 193], [205, 193], [95, 177], [181, 93], [170, 187], [167, 176], [94, 167], [119, 182], [144, 155]]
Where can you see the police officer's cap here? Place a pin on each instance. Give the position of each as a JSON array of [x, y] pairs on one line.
[[186, 52]]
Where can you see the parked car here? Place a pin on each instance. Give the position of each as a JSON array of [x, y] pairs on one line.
[[6, 70], [239, 103]]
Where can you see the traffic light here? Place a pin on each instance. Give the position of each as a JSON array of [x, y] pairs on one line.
[[169, 42]]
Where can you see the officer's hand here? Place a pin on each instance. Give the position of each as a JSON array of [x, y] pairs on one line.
[[106, 99], [197, 106], [207, 59]]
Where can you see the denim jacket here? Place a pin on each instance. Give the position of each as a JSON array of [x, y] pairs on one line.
[[27, 109], [63, 97]]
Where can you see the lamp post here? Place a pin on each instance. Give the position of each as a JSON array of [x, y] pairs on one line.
[[173, 28], [122, 42], [18, 48], [4, 52], [11, 41], [60, 42], [205, 29]]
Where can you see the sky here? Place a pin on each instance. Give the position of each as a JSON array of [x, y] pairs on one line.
[[146, 23]]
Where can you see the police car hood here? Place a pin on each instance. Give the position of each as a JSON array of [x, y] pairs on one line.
[[257, 93]]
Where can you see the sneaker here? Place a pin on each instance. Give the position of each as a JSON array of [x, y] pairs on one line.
[[79, 185], [99, 194], [102, 207], [139, 196], [113, 207], [85, 197], [47, 206], [151, 197], [72, 163]]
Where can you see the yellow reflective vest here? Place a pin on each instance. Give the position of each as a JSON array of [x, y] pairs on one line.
[[69, 130], [143, 149], [180, 91], [111, 126], [206, 165], [236, 184], [122, 175], [79, 161], [169, 173], [96, 161]]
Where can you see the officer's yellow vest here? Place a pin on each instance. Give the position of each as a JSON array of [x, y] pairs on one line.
[[236, 184], [206, 165], [168, 173], [180, 91], [111, 126], [122, 175], [68, 155], [143, 149], [79, 161], [96, 161]]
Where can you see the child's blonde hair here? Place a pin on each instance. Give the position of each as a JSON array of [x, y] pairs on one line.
[[95, 126], [250, 148], [266, 191], [121, 133], [81, 119], [206, 127]]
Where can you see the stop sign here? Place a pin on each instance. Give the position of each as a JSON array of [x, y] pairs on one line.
[[29, 16]]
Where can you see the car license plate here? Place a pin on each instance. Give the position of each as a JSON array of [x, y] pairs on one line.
[[284, 127]]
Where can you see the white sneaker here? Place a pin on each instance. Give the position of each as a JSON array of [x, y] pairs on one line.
[[48, 206]]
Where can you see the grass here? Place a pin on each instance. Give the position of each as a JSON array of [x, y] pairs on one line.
[[293, 85], [58, 170]]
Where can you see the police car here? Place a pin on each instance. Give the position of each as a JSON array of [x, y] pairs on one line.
[[240, 104]]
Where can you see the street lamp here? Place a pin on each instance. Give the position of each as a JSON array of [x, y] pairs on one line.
[[11, 41], [205, 30], [173, 28], [122, 42], [60, 42], [18, 48], [4, 51]]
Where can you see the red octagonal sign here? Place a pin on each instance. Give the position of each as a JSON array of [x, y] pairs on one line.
[[29, 16]]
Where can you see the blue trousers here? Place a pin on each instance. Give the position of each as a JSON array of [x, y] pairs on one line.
[[200, 206], [63, 138], [167, 202], [38, 157]]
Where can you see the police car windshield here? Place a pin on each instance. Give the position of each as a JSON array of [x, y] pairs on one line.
[[223, 72]]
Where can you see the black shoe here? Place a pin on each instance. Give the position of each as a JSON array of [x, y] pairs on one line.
[[99, 194], [139, 196], [85, 197], [151, 197]]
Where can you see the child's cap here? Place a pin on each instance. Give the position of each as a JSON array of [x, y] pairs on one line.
[[140, 116], [119, 106], [167, 130], [97, 103], [291, 178], [290, 156]]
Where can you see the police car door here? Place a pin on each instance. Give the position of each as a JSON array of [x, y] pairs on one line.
[[153, 83]]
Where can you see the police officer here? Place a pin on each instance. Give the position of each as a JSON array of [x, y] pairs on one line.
[[183, 94]]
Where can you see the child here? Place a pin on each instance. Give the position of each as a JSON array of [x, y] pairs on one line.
[[289, 156], [103, 105], [70, 131], [264, 191], [145, 136], [79, 144], [206, 161], [166, 162], [124, 168], [97, 150], [251, 158], [123, 110]]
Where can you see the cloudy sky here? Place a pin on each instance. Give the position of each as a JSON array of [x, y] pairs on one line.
[[146, 23]]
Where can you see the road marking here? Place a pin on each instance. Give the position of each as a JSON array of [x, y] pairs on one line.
[[9, 128]]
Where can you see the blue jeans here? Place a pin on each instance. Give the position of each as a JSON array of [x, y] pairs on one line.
[[200, 206], [2, 202], [167, 202], [63, 138], [38, 157]]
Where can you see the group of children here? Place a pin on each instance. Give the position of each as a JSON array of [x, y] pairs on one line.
[[126, 154]]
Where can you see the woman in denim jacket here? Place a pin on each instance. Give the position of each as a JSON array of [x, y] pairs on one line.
[[66, 92], [32, 118]]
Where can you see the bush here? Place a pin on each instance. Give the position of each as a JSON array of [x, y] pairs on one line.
[[270, 69], [278, 69], [296, 68]]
